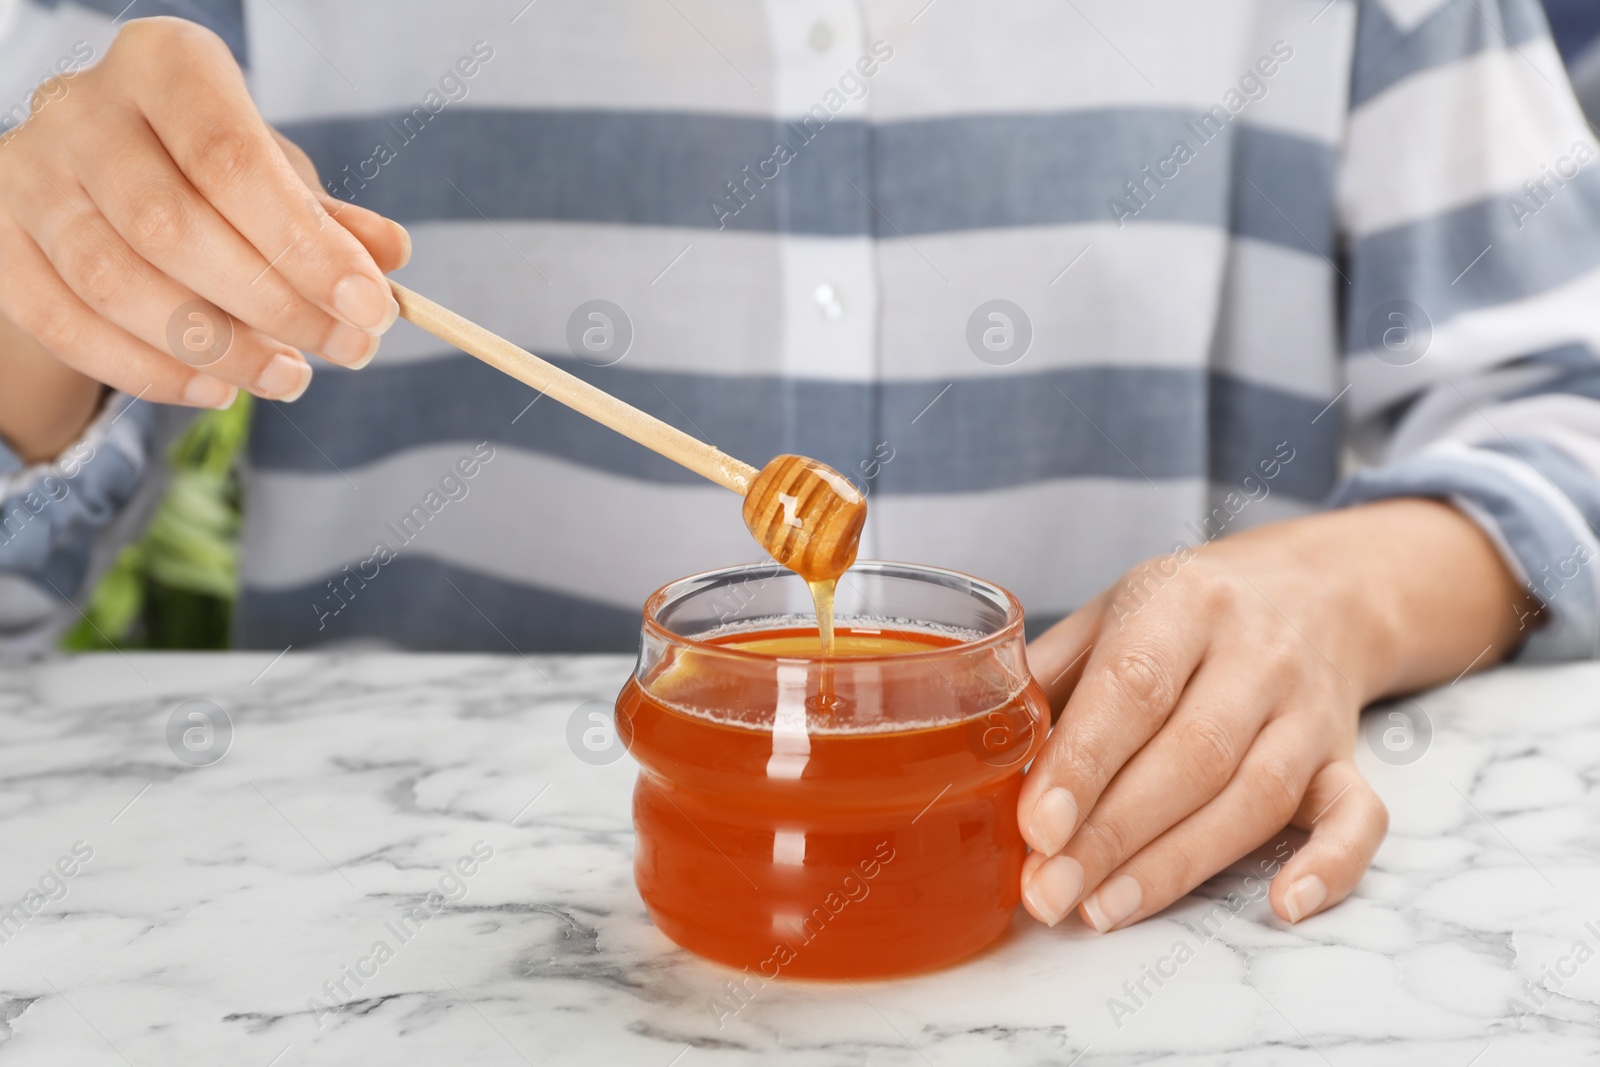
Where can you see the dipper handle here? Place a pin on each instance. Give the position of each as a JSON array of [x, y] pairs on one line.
[[803, 512], [574, 392]]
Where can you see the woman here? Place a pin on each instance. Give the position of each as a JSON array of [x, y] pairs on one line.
[[1064, 287]]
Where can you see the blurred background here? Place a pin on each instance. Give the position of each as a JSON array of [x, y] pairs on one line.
[[175, 587]]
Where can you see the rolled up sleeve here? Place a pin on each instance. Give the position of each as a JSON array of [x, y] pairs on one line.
[[1470, 203], [62, 522]]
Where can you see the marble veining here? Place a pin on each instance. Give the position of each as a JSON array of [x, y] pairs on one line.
[[403, 859]]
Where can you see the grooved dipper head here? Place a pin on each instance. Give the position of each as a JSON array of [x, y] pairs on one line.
[[807, 516]]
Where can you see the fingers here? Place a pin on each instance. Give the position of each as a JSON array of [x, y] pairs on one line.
[[162, 217], [194, 97], [1259, 801], [112, 278], [155, 227], [1051, 885], [34, 298], [1188, 763], [1347, 823], [384, 239], [303, 167], [1130, 683]]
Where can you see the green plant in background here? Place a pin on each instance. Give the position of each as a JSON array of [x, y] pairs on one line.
[[175, 587]]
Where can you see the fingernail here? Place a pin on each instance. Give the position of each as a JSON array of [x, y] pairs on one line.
[[391, 315], [351, 347], [372, 350], [363, 302], [1115, 901], [284, 378], [204, 392], [1304, 897], [405, 245], [1054, 888], [1055, 816]]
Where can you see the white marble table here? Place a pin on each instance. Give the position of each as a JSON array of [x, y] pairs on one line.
[[216, 901]]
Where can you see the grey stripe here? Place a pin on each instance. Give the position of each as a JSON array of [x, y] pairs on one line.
[[925, 176], [1108, 422], [1431, 262], [225, 18], [1572, 359], [1034, 625], [1566, 474], [1536, 533], [1386, 54], [1577, 373], [425, 604], [1282, 190]]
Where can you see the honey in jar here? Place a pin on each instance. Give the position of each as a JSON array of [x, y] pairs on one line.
[[852, 815]]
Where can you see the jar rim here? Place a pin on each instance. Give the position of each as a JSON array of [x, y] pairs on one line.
[[668, 594]]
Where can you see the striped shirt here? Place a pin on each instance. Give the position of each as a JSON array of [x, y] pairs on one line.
[[1061, 286]]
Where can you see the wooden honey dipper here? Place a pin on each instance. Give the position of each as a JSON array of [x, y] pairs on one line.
[[805, 514]]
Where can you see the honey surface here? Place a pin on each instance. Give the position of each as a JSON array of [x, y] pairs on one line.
[[804, 644]]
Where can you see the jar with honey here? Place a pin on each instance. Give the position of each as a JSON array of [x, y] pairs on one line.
[[844, 816]]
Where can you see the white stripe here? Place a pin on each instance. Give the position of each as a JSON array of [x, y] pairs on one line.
[[1053, 544], [1279, 318], [535, 520], [596, 53], [1572, 422], [1458, 134], [715, 311], [1454, 411], [733, 304], [828, 292], [526, 518], [1146, 295], [1086, 317], [963, 59], [748, 304], [813, 46], [315, 59], [9, 10], [1298, 100], [1471, 342]]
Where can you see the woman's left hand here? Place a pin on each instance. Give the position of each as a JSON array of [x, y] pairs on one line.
[[1213, 697]]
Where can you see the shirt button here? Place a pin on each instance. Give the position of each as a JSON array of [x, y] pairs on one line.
[[820, 37], [830, 301]]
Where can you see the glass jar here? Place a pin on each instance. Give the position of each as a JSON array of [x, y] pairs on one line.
[[852, 816]]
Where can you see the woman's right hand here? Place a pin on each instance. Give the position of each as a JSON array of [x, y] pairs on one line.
[[158, 236]]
